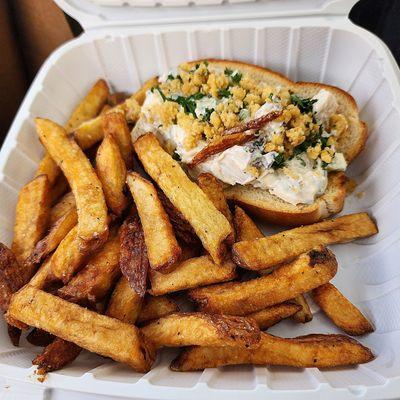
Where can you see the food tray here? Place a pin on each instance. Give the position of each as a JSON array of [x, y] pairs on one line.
[[167, 3], [327, 49]]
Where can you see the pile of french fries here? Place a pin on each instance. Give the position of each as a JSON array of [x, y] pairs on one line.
[[101, 256]]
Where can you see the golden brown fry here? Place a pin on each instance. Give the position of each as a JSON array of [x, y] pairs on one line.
[[31, 219], [111, 170], [116, 98], [90, 106], [90, 132], [12, 276], [48, 167], [85, 328], [43, 275], [62, 207], [186, 329], [133, 259], [114, 124], [318, 351], [58, 189], [210, 225], [344, 314], [162, 247], [245, 228], [285, 246], [67, 259], [94, 281], [54, 237], [212, 187], [304, 314], [56, 355], [272, 315], [140, 95], [106, 108], [89, 197], [194, 272], [156, 307], [307, 272], [125, 304]]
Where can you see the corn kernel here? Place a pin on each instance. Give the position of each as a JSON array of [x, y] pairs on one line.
[[325, 156]]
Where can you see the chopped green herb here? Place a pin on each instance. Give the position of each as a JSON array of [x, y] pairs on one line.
[[324, 141], [224, 93], [324, 165], [176, 156], [171, 77], [302, 162], [271, 95], [235, 75], [207, 114], [161, 94], [279, 161], [206, 63], [305, 104]]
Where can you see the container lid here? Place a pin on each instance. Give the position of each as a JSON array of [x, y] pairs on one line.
[[93, 14]]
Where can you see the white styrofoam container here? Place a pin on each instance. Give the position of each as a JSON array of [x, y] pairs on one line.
[[320, 48], [167, 3]]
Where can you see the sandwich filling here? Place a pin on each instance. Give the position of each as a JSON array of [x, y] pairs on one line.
[[290, 156]]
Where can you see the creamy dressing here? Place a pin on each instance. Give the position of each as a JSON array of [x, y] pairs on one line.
[[325, 106]]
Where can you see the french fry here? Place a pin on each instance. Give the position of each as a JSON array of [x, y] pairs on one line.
[[285, 246], [214, 191], [90, 132], [116, 98], [272, 315], [31, 219], [14, 334], [12, 276], [40, 338], [85, 328], [58, 189], [106, 108], [155, 307], [115, 125], [94, 281], [186, 329], [133, 259], [344, 314], [56, 355], [62, 207], [140, 95], [163, 250], [304, 314], [89, 197], [191, 273], [67, 259], [43, 275], [307, 272], [111, 170], [210, 225], [245, 228], [125, 304], [56, 234], [90, 106], [183, 230], [318, 351], [48, 167]]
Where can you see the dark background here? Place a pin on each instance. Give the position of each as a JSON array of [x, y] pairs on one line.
[[31, 29]]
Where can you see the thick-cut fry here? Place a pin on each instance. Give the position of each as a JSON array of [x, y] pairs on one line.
[[43, 275], [214, 191], [238, 135], [183, 230], [245, 228], [285, 246], [31, 219], [210, 225], [304, 314], [48, 167], [63, 206], [133, 259], [318, 351], [68, 258], [115, 125], [156, 307], [12, 276], [194, 272], [341, 311], [186, 329], [89, 197], [94, 281], [162, 247], [97, 333], [272, 315], [140, 95], [56, 355], [14, 334], [90, 132], [111, 170], [307, 272], [125, 304], [60, 188], [56, 234], [90, 106], [39, 337], [116, 98]]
